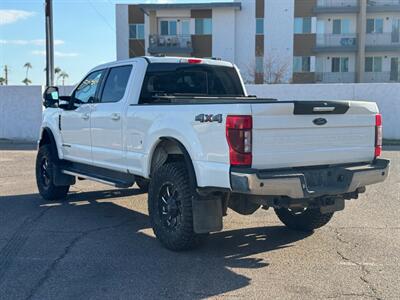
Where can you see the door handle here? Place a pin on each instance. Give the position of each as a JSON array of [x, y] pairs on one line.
[[115, 117], [85, 116]]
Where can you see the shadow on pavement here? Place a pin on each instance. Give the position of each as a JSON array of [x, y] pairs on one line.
[[104, 250], [10, 146]]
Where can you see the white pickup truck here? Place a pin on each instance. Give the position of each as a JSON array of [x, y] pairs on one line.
[[185, 130]]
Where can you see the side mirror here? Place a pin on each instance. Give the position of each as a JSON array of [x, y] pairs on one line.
[[50, 96], [64, 102]]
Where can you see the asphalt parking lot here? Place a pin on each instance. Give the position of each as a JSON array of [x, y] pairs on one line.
[[98, 245]]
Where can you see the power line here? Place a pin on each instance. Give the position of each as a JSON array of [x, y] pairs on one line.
[[131, 51]]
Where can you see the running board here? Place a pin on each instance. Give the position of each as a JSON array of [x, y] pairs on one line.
[[109, 177]]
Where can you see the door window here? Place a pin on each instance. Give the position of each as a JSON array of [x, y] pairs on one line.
[[373, 64], [341, 26], [86, 91], [115, 85], [340, 64], [168, 27], [396, 31], [394, 69], [185, 27], [374, 25]]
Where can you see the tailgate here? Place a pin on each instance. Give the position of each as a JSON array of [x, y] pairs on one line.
[[311, 133]]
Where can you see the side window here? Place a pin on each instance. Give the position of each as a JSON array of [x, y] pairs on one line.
[[86, 91], [115, 85]]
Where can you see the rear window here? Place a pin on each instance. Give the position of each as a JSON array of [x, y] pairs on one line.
[[172, 79]]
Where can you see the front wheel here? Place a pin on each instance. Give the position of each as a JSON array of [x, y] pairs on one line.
[[303, 220], [170, 207], [45, 165]]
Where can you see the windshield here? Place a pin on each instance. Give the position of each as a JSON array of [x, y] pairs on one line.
[[177, 79]]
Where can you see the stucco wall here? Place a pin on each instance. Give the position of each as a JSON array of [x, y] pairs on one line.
[[20, 112], [386, 95]]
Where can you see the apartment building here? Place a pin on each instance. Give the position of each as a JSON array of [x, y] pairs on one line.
[[346, 41], [256, 35], [271, 41]]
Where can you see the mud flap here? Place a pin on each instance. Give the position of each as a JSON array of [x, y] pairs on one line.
[[61, 179], [207, 214]]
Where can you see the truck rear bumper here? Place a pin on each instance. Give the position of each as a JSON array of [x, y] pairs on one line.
[[309, 182]]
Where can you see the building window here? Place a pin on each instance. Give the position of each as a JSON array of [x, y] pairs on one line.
[[301, 64], [373, 64], [203, 26], [302, 25], [374, 25], [340, 64], [395, 69], [260, 26], [341, 26], [168, 27], [136, 31], [259, 64]]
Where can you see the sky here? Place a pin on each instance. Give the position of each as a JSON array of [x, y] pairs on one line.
[[84, 34]]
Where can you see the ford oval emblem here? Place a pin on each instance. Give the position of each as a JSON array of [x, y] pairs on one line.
[[320, 121]]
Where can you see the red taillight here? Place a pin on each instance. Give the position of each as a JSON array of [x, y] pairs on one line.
[[194, 61], [378, 135], [239, 137]]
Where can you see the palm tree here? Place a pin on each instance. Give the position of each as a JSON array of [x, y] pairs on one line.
[[63, 75], [27, 66], [57, 71], [2, 80], [26, 81]]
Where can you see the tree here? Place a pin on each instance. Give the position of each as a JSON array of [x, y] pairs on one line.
[[28, 66], [2, 81], [63, 75], [26, 81], [273, 71], [57, 71]]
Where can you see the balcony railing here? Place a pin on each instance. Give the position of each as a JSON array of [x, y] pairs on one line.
[[339, 41], [170, 44], [383, 5], [336, 6], [391, 39], [335, 77], [337, 3], [383, 2], [371, 77]]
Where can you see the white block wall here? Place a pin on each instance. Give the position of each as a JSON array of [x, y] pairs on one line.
[[386, 95], [21, 106], [20, 112]]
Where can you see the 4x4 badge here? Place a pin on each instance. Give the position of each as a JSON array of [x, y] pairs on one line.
[[208, 118]]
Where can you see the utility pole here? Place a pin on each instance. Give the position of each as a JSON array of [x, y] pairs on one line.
[[49, 43], [6, 74]]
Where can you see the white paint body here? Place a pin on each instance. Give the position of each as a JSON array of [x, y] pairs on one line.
[[280, 138]]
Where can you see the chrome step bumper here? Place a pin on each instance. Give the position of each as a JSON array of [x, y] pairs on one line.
[[309, 182]]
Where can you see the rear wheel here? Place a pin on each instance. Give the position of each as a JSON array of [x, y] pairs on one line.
[[45, 165], [170, 207], [303, 220]]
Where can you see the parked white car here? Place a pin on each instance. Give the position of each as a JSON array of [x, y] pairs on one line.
[[185, 130]]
